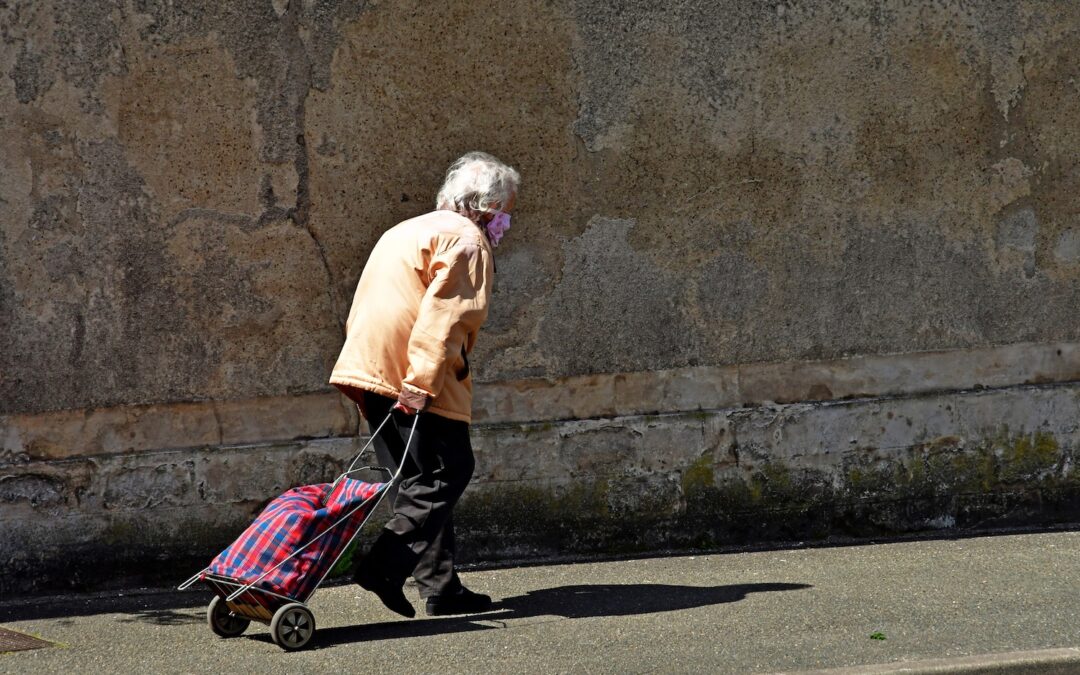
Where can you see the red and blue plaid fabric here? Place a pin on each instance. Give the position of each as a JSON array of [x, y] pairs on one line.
[[288, 523]]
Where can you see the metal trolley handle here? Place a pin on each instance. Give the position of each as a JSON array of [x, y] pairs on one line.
[[393, 474]]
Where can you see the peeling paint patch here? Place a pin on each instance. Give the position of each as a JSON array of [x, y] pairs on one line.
[[148, 486], [30, 76], [36, 490], [1067, 248]]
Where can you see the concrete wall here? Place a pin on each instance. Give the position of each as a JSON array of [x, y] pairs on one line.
[[770, 258]]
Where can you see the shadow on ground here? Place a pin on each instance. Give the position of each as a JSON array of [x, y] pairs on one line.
[[568, 602], [153, 606]]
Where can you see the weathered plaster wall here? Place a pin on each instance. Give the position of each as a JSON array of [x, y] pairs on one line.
[[726, 205], [614, 484], [155, 207]]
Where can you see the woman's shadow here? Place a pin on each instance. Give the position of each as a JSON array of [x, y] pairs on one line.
[[571, 602]]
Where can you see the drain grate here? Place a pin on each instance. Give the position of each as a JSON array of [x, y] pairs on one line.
[[10, 641]]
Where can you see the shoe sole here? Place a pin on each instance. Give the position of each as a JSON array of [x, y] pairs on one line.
[[408, 615]]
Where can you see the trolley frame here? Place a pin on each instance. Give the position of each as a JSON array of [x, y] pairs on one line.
[[245, 599]]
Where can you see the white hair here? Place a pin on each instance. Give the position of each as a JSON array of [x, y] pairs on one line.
[[475, 182]]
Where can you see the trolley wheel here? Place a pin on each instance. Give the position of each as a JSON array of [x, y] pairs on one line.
[[292, 626], [222, 620]]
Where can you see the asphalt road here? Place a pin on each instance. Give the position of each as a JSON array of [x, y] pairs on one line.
[[989, 604]]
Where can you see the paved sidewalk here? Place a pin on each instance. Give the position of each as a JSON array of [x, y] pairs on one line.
[[990, 604]]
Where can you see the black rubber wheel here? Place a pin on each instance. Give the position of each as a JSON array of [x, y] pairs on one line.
[[222, 621], [292, 626]]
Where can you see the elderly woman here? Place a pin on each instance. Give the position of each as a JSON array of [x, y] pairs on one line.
[[415, 316]]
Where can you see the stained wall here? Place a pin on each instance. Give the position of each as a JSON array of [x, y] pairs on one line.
[[730, 211]]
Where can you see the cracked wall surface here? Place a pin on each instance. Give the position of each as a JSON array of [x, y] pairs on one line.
[[157, 241], [725, 205], [190, 191]]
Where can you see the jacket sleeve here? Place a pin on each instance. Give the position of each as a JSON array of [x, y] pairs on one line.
[[454, 306]]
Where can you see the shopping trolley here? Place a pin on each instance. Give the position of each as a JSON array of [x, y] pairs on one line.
[[270, 573]]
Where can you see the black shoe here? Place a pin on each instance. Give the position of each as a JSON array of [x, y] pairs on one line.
[[391, 594], [462, 602]]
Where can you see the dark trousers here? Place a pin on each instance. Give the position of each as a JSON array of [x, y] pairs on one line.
[[419, 538]]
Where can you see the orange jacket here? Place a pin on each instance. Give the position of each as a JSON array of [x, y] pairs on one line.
[[421, 300]]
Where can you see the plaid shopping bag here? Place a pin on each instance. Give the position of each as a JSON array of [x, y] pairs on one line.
[[322, 514]]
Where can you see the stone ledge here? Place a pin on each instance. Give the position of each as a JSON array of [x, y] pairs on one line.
[[134, 429], [1054, 661], [714, 388]]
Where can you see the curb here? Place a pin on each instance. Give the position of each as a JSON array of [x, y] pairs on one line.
[[1063, 661]]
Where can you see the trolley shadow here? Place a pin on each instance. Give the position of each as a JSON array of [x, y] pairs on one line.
[[570, 602]]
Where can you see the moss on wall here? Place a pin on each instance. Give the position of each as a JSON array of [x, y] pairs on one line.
[[944, 484]]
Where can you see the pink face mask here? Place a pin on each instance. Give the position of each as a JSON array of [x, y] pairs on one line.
[[497, 226]]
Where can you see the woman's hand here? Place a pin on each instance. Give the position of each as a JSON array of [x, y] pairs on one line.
[[410, 402]]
